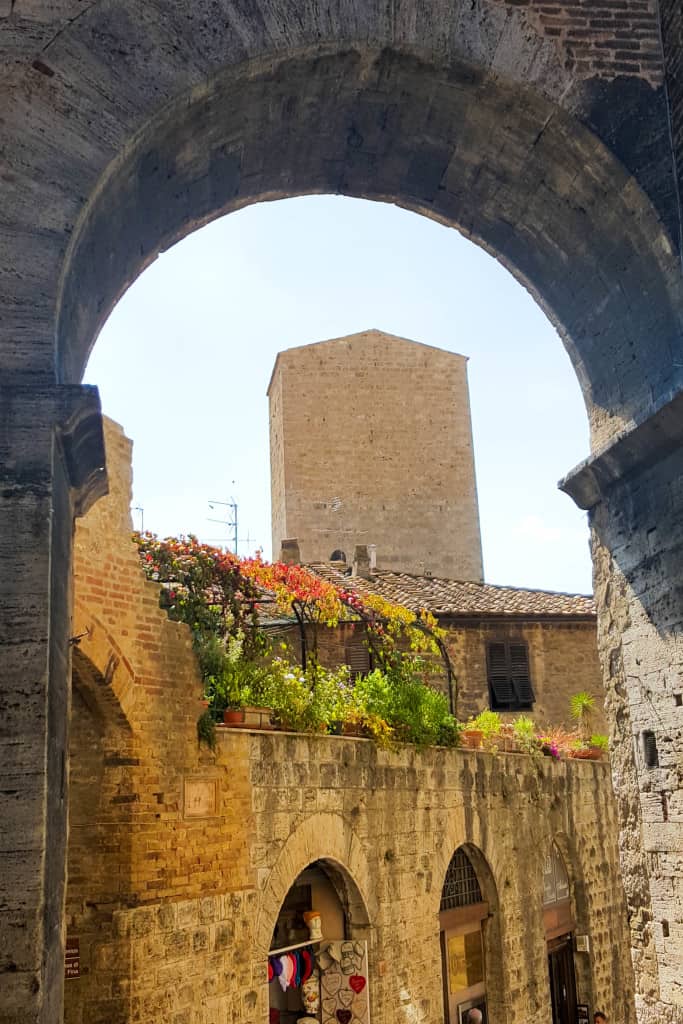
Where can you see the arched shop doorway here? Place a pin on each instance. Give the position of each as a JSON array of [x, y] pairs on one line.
[[318, 957], [558, 923], [464, 913]]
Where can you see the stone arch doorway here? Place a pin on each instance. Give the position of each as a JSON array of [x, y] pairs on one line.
[[318, 955], [559, 927], [470, 939]]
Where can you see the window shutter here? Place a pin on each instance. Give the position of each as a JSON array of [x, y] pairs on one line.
[[497, 660], [358, 656], [503, 692], [519, 670], [509, 678], [499, 677]]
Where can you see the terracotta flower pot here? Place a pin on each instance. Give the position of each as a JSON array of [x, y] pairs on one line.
[[233, 716], [591, 754], [472, 738]]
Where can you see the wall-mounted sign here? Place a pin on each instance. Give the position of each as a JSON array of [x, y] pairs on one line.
[[72, 958], [200, 798], [582, 1013]]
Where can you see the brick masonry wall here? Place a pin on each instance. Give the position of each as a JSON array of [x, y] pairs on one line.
[[383, 424], [174, 901], [601, 38]]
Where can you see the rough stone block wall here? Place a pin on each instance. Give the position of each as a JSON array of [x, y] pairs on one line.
[[640, 646], [383, 425], [391, 820], [671, 13]]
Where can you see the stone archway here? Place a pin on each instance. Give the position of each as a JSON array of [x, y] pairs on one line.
[[396, 126], [321, 837], [127, 125]]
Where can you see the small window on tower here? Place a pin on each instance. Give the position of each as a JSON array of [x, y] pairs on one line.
[[510, 686]]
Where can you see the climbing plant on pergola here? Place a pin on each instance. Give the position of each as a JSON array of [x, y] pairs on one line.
[[217, 593]]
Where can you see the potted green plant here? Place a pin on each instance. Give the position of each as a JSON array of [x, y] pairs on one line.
[[525, 735], [582, 709], [506, 738], [489, 724], [592, 749]]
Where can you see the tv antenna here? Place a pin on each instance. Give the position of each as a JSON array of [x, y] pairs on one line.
[[230, 522]]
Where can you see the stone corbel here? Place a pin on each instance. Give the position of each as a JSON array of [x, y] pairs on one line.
[[81, 437], [646, 443]]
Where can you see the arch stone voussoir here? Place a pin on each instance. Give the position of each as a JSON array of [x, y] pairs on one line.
[[322, 836]]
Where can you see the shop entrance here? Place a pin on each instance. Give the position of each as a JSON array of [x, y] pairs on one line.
[[562, 980], [317, 963], [558, 922], [462, 914]]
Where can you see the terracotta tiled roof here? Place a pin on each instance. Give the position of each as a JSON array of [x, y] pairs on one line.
[[455, 597]]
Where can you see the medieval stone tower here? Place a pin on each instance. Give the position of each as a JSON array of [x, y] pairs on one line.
[[371, 443]]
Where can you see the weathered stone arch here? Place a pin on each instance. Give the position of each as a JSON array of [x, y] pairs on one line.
[[469, 834], [491, 927], [321, 837], [521, 177]]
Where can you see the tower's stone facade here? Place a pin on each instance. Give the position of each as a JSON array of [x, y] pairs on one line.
[[371, 443]]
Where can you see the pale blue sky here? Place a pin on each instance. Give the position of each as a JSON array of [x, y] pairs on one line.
[[184, 361]]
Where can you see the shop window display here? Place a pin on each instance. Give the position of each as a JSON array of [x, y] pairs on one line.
[[317, 972]]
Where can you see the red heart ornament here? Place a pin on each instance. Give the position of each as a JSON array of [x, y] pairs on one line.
[[357, 983], [343, 1016]]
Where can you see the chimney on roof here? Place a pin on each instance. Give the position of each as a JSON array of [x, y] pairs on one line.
[[361, 561], [372, 551], [289, 552]]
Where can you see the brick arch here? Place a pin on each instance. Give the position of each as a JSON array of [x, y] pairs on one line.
[[99, 697], [109, 665], [322, 837]]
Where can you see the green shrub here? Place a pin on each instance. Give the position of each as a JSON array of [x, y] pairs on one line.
[[206, 730]]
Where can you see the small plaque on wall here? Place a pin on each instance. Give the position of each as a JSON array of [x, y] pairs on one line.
[[72, 958], [200, 798]]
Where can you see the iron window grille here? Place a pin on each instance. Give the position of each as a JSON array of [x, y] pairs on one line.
[[461, 885], [509, 679]]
